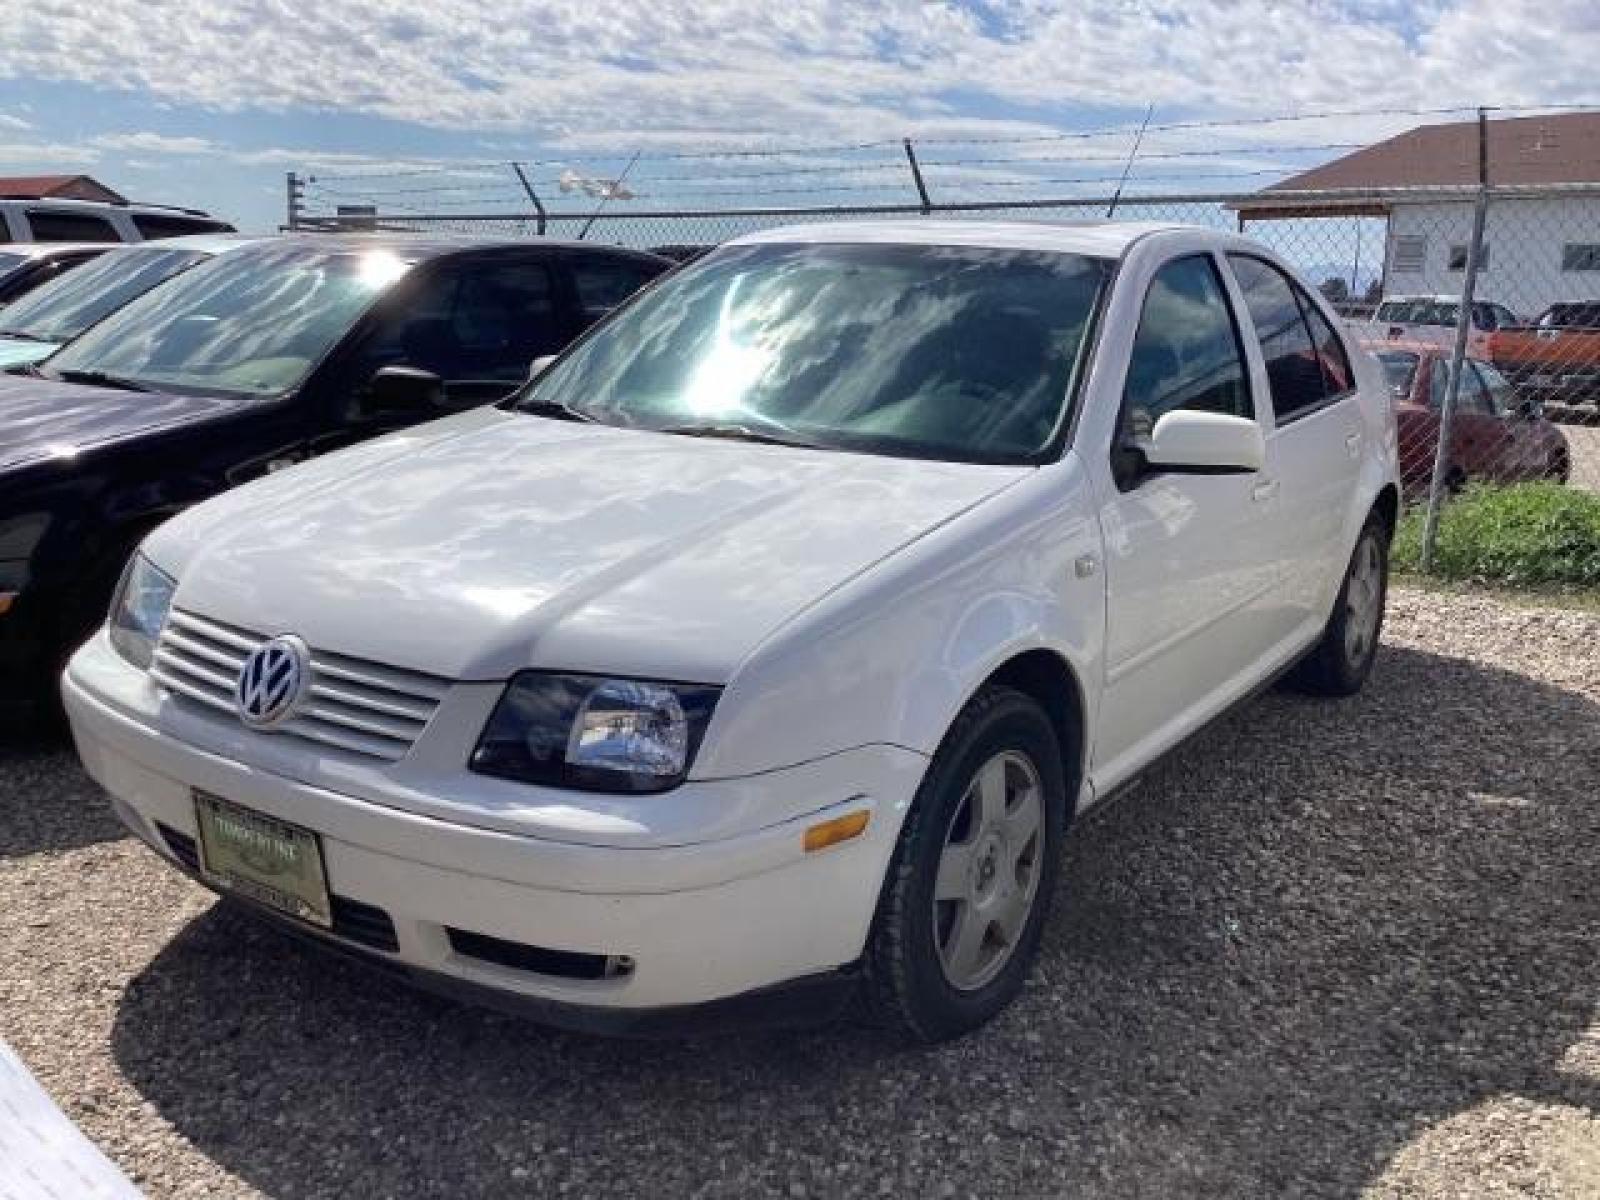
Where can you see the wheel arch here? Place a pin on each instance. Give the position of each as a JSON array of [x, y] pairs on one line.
[[1387, 506], [1046, 677]]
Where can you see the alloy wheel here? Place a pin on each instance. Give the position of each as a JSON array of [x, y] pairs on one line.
[[989, 871]]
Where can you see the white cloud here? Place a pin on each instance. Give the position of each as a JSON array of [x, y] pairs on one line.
[[10, 121], [153, 143], [600, 79]]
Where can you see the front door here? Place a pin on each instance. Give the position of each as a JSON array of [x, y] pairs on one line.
[[1185, 577]]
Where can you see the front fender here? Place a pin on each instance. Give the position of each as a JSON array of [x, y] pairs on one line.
[[894, 655]]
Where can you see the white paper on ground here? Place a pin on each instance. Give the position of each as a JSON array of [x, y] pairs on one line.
[[43, 1156]]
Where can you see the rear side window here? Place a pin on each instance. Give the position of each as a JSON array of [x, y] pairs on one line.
[[51, 226], [1301, 370], [1186, 351], [602, 283], [160, 225], [1337, 378]]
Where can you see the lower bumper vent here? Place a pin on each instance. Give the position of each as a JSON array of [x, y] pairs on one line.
[[537, 960]]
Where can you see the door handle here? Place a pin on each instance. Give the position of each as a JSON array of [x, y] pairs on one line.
[[1352, 443], [1264, 491]]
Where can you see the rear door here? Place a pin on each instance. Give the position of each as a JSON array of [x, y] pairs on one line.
[[1314, 445], [601, 282]]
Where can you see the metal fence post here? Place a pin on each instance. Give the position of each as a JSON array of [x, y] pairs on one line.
[[916, 177], [1441, 454], [533, 196]]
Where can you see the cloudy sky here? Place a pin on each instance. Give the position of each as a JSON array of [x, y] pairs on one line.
[[209, 102]]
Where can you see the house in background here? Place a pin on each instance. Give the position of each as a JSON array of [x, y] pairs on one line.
[[1542, 234], [57, 187]]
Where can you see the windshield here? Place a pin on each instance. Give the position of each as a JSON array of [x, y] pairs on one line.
[[1571, 316], [923, 351], [245, 323], [1398, 371], [10, 262], [63, 308]]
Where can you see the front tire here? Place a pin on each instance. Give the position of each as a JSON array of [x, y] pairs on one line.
[[969, 886], [1339, 664]]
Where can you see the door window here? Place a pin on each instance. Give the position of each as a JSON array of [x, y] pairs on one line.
[[603, 283], [468, 322], [51, 226], [1186, 351], [1473, 398], [1303, 372]]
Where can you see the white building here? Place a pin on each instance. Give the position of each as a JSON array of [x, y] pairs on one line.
[[1542, 233]]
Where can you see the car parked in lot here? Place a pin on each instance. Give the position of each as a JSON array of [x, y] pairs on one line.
[[24, 268], [1433, 319], [1555, 358], [26, 219], [763, 647], [1494, 436], [248, 363], [40, 323]]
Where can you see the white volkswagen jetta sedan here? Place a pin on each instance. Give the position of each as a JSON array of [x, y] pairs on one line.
[[761, 651]]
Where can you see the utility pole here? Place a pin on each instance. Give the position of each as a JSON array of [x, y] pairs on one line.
[[296, 195]]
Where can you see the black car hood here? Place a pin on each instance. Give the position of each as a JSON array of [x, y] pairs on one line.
[[42, 419]]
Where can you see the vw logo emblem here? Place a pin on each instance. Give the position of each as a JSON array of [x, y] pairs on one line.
[[271, 682]]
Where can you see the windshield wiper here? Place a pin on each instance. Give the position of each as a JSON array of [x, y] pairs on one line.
[[101, 379], [555, 410], [23, 335], [735, 431]]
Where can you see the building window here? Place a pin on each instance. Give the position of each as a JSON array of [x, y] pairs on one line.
[[1410, 252], [1458, 258], [1580, 256]]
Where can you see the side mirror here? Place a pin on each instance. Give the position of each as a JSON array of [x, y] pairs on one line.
[[403, 392], [1198, 443], [539, 366]]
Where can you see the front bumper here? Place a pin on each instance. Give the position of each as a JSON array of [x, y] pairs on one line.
[[695, 922]]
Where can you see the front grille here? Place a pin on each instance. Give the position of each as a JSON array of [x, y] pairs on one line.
[[352, 920], [564, 964], [362, 707]]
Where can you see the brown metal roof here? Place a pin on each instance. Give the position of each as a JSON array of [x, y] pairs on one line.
[[57, 187], [1564, 148]]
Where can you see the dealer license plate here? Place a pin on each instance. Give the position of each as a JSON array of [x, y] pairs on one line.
[[263, 859]]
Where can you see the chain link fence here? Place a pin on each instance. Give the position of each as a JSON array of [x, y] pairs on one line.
[[1396, 263]]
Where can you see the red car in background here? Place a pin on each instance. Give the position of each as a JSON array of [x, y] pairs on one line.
[[1492, 437]]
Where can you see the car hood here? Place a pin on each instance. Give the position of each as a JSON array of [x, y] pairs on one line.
[[19, 352], [487, 543], [41, 419]]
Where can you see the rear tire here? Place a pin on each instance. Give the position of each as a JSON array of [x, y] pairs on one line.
[[968, 889], [1339, 664]]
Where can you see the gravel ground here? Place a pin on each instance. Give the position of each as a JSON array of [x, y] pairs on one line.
[[1325, 949]]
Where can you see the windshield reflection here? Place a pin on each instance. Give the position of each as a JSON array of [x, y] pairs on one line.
[[955, 352], [249, 322]]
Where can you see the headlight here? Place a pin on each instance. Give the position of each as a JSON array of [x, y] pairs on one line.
[[139, 610], [612, 735]]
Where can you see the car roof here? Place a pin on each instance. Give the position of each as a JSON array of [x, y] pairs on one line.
[[51, 249], [205, 243], [417, 247], [1419, 349], [1100, 239]]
